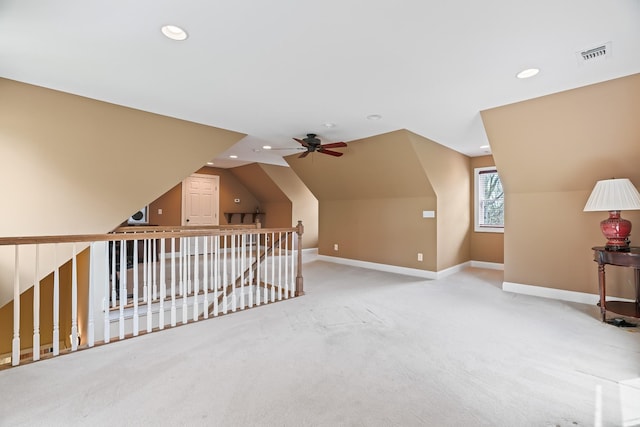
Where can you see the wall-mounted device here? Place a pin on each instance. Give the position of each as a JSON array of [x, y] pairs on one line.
[[140, 217]]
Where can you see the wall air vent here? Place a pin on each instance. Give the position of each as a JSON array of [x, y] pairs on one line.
[[594, 54]]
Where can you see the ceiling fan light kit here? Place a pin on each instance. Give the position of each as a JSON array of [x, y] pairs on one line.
[[313, 144]]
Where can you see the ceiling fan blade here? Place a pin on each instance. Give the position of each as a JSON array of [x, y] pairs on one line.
[[305, 154], [329, 152], [302, 142], [334, 145]]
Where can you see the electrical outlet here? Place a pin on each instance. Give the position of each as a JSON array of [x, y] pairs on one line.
[[335, 246], [419, 256], [159, 211]]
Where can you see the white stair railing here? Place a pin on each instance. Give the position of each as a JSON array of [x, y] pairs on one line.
[[139, 276]]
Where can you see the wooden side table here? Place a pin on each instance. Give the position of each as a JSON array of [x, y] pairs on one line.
[[630, 258]]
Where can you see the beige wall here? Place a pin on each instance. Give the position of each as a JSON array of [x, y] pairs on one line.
[[304, 204], [276, 190], [448, 173], [268, 196], [486, 247], [230, 189], [72, 165], [550, 151], [384, 231], [283, 197], [371, 201]]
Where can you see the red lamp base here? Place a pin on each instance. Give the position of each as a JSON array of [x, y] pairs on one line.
[[617, 231]]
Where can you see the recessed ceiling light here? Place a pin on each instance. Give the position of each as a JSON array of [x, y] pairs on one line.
[[374, 117], [210, 163], [233, 156], [174, 33], [266, 147], [329, 125], [529, 72], [484, 146]]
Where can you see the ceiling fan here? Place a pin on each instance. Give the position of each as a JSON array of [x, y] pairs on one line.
[[313, 144]]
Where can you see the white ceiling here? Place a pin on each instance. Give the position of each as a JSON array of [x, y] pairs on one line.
[[282, 68]]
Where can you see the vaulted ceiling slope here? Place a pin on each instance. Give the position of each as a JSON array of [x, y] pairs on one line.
[[384, 166], [280, 69]]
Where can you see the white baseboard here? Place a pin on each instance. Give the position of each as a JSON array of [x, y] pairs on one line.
[[487, 265], [309, 255], [426, 274], [559, 294], [451, 270], [380, 267]]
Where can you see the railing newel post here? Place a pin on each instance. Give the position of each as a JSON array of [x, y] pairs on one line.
[[299, 279], [15, 343]]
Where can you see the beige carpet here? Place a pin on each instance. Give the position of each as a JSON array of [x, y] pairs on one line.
[[362, 348]]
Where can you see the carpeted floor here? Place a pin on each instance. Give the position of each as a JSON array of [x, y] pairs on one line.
[[362, 348]]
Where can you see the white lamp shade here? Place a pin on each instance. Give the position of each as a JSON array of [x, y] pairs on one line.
[[613, 195]]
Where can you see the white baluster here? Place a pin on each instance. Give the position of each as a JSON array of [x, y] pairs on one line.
[[182, 240], [273, 267], [123, 286], [258, 267], [293, 263], [286, 265], [185, 293], [136, 314], [173, 281], [36, 307], [90, 309], [15, 343], [105, 301], [188, 265], [225, 305], [163, 282], [211, 261], [279, 266], [216, 275], [196, 278], [114, 298], [154, 266], [233, 273], [205, 279], [145, 276], [147, 261], [250, 260], [56, 303], [243, 259], [74, 300]]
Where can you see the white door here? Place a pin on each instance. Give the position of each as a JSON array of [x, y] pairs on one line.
[[200, 201]]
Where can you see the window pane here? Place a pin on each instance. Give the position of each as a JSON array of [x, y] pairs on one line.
[[490, 200]]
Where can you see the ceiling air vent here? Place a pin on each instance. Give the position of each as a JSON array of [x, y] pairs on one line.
[[595, 53]]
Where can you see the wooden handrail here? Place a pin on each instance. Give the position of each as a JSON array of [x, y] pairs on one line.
[[109, 237], [156, 228]]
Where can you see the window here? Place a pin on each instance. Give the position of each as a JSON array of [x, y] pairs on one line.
[[489, 201]]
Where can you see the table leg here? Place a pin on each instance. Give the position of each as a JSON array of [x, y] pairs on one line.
[[603, 293], [637, 274]]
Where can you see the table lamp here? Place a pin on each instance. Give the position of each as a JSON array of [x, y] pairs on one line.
[[614, 195]]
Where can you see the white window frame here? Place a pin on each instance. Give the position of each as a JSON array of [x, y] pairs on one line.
[[476, 203]]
